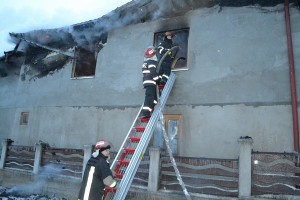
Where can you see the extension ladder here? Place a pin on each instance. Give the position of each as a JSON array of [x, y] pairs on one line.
[[135, 144]]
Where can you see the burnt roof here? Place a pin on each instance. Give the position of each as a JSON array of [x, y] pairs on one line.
[[89, 33]]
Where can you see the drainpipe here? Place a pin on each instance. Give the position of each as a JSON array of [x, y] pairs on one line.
[[292, 77]]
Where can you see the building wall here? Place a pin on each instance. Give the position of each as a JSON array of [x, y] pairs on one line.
[[237, 84]]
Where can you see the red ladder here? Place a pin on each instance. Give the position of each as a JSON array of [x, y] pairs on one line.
[[134, 146], [127, 152]]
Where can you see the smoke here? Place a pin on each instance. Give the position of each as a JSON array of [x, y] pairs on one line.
[[27, 189], [40, 182], [86, 35], [23, 16], [90, 33]]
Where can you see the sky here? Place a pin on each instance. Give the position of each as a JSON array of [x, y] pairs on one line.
[[21, 16]]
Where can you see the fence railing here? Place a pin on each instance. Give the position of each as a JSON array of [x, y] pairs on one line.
[[253, 174], [66, 162], [201, 175], [20, 158], [141, 177], [275, 173]]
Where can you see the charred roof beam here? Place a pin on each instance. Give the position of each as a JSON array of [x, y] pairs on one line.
[[66, 53]]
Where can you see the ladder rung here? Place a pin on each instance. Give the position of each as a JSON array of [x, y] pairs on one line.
[[135, 139], [123, 162], [161, 86], [129, 150], [139, 129], [109, 189], [144, 119], [119, 176]]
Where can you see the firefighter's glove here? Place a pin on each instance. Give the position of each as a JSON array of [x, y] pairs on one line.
[[110, 182], [170, 54]]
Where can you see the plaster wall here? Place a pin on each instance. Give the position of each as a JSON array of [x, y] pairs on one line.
[[237, 84]]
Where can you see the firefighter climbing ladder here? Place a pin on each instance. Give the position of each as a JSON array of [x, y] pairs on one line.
[[131, 152], [133, 148]]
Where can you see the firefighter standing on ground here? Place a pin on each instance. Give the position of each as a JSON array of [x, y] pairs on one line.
[[150, 78], [97, 174], [163, 47]]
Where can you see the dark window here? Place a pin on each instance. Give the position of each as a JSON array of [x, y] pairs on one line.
[[24, 118], [181, 40], [84, 64]]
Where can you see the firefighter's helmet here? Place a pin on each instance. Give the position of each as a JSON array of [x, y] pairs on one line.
[[102, 145], [150, 52]]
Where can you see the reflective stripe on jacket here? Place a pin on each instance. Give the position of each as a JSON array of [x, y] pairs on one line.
[[150, 75]]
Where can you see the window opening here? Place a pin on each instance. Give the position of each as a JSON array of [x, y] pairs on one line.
[[24, 118], [84, 64], [181, 40]]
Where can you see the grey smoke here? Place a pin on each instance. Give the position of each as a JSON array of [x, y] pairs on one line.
[[40, 181]]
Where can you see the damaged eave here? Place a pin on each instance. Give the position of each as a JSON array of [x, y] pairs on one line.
[[21, 37], [14, 52], [88, 34], [130, 13]]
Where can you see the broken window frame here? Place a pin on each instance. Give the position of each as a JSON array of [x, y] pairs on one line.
[[24, 118], [181, 40]]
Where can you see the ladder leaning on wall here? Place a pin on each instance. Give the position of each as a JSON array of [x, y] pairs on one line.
[[134, 146]]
